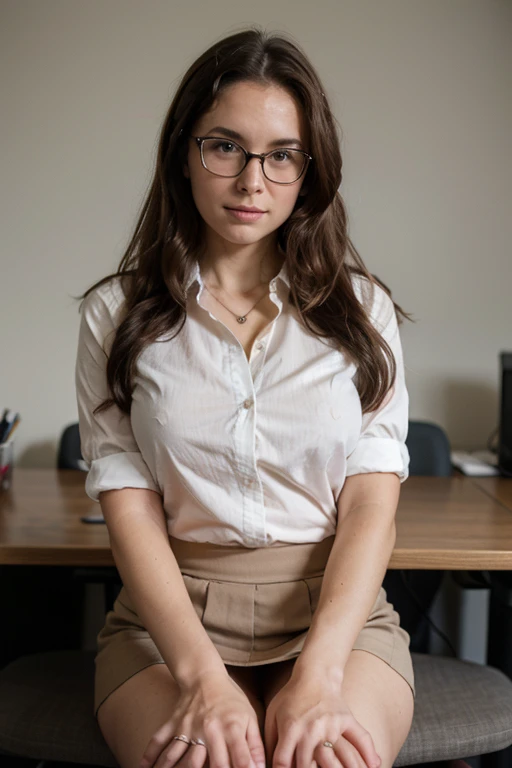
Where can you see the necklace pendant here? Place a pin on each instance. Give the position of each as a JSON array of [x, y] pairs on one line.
[[241, 319]]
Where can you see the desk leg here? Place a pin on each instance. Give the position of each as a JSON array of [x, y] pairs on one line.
[[499, 646]]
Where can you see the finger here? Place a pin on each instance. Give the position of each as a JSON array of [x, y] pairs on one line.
[[157, 744], [363, 742], [176, 751], [218, 753], [255, 744], [285, 748], [348, 755], [237, 746], [196, 756], [270, 734], [307, 745], [326, 757]]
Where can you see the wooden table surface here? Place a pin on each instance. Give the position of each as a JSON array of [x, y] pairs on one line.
[[500, 488], [448, 523]]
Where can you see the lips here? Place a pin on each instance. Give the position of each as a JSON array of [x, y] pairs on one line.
[[244, 215], [245, 208]]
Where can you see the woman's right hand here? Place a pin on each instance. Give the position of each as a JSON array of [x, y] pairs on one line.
[[216, 710]]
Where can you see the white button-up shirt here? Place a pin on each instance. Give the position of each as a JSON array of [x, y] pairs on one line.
[[243, 452]]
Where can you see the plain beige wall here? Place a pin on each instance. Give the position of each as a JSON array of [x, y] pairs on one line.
[[421, 89]]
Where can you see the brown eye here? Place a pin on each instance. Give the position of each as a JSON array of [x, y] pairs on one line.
[[224, 147], [281, 156]]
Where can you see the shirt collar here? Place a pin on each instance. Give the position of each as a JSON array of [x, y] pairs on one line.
[[195, 276]]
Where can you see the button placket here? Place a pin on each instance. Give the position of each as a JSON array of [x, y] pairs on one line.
[[252, 511]]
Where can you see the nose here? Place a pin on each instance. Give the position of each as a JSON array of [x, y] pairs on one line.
[[252, 179]]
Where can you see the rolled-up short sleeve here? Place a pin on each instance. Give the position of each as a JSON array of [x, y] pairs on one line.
[[381, 446], [108, 445]]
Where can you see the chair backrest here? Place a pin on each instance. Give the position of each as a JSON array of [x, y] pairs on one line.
[[70, 455], [429, 449]]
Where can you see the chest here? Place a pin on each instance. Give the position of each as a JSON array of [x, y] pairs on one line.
[[255, 325], [202, 380]]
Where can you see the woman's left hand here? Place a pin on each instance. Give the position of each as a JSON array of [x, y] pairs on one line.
[[306, 712]]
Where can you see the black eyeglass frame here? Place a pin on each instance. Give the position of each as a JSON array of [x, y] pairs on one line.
[[248, 156]]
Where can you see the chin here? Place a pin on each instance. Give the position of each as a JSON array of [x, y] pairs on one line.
[[241, 234], [247, 240]]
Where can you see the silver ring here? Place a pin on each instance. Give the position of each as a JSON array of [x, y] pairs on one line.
[[328, 744], [182, 737], [198, 742]]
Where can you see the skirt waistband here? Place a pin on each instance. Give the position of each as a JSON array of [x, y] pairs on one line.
[[261, 565]]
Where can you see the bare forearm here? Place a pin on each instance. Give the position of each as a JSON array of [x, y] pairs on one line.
[[353, 576], [151, 575]]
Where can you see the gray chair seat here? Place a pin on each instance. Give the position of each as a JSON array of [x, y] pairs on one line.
[[462, 709], [46, 710]]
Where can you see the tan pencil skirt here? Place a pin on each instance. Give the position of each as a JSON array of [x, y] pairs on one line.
[[256, 606]]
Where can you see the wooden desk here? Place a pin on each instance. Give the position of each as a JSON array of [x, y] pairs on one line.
[[442, 523], [498, 488]]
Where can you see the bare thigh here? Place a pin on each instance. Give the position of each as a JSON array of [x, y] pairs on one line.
[[378, 697], [132, 713]]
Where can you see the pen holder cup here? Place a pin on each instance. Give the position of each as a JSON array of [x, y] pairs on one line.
[[6, 464]]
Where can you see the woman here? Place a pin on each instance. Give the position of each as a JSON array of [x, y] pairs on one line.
[[243, 414]]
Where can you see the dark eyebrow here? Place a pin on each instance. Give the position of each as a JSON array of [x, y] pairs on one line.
[[238, 137]]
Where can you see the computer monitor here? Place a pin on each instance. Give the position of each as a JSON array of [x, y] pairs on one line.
[[505, 431]]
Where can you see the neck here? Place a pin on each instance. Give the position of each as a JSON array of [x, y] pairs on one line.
[[240, 271]]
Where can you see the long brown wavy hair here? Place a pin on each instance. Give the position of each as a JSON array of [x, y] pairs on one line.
[[319, 254]]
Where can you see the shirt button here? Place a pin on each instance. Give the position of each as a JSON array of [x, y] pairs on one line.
[[247, 403], [272, 286], [259, 345]]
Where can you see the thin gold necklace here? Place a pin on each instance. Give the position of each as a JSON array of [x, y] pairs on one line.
[[239, 318]]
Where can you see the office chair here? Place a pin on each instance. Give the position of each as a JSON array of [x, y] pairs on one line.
[[462, 709], [69, 455]]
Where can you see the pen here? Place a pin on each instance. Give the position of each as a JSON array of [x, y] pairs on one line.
[[6, 426], [13, 428], [3, 423]]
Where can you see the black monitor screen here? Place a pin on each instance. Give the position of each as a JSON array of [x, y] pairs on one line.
[[505, 449]]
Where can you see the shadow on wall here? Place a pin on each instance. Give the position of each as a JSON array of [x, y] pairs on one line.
[[470, 412], [42, 454]]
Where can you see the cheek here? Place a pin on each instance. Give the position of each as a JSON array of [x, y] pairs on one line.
[[207, 193], [287, 203]]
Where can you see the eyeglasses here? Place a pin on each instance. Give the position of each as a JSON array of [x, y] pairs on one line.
[[224, 157]]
